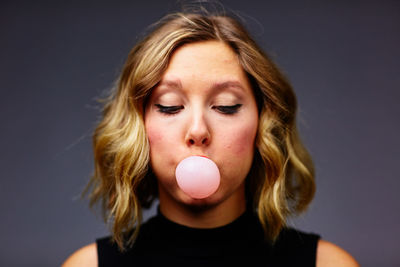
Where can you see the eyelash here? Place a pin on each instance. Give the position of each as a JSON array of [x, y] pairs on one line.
[[228, 110], [171, 110]]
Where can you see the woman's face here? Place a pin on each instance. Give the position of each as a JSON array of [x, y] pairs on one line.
[[203, 105]]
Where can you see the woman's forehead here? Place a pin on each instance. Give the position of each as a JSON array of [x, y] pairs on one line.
[[211, 64], [208, 56]]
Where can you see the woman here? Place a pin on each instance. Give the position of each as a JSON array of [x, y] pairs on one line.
[[198, 85]]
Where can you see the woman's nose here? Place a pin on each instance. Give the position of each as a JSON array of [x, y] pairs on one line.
[[198, 133]]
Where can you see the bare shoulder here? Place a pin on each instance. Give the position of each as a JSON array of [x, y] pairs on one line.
[[85, 256], [328, 254]]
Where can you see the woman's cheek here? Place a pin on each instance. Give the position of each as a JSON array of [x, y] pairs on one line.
[[154, 135], [243, 143]]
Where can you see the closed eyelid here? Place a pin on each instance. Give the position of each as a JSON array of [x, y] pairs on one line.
[[168, 98], [227, 101]]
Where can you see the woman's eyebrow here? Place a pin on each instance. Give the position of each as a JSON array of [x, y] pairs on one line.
[[176, 83], [216, 86], [227, 84]]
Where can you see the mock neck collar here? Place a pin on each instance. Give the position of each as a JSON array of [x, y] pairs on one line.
[[244, 228]]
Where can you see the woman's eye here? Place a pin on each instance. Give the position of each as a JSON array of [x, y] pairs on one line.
[[228, 109], [168, 109]]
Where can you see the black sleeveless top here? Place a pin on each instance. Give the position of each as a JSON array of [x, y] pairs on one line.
[[162, 242]]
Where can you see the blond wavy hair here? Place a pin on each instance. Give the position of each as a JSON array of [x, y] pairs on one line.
[[281, 180]]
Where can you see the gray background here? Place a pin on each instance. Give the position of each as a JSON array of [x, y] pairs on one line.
[[56, 57]]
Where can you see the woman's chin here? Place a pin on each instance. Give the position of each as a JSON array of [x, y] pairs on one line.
[[200, 203]]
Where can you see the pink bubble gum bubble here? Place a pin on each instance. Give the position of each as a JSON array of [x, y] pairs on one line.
[[197, 176]]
